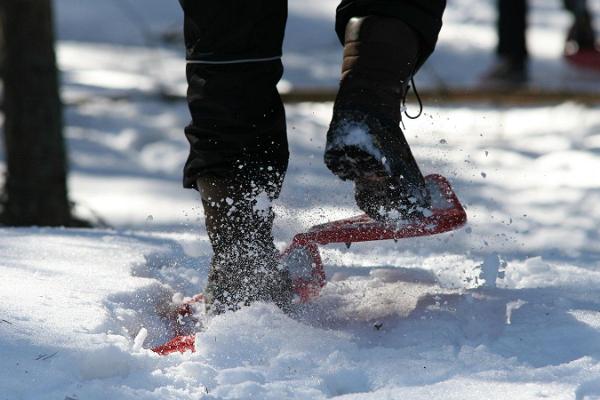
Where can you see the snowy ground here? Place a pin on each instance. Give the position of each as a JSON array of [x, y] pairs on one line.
[[506, 308], [74, 301]]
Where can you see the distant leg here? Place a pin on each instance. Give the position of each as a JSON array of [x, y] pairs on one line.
[[581, 32], [581, 48], [510, 68], [512, 27]]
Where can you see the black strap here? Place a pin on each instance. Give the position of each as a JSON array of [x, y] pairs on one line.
[[414, 88]]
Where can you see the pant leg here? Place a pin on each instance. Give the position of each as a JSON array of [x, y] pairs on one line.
[[576, 6], [238, 121], [582, 30], [512, 27], [424, 16]]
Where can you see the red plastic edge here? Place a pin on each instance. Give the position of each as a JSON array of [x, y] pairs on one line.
[[363, 229], [180, 344], [585, 58]]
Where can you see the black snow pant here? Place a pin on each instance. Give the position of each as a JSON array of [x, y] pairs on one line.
[[234, 63], [512, 27]]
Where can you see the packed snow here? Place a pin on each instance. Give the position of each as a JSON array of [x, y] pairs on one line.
[[506, 308]]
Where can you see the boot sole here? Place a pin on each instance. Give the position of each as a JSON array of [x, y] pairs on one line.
[[353, 163], [380, 192]]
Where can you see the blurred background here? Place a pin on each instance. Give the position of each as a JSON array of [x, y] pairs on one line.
[[312, 52]]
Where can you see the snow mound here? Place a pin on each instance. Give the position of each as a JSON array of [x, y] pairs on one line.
[[82, 325]]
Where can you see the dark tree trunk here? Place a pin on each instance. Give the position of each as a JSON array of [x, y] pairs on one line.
[[35, 191], [1, 47]]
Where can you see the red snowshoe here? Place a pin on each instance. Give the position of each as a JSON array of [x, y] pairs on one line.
[[181, 321], [303, 260], [588, 58]]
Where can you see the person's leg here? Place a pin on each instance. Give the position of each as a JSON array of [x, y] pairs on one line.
[[512, 28], [238, 145], [385, 43], [581, 32], [576, 6], [510, 67], [233, 52], [581, 48], [424, 17]]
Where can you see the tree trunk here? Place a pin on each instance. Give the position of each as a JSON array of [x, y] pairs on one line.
[[1, 47], [35, 191]]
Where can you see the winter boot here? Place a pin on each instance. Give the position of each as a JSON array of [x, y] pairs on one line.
[[245, 266], [364, 142]]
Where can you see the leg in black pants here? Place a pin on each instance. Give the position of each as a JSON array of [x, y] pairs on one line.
[[238, 144], [233, 52], [512, 27], [581, 32], [510, 68], [234, 47]]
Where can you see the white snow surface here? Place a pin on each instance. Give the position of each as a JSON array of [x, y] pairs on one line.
[[505, 308], [80, 308]]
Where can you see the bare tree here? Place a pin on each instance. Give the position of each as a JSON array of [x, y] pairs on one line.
[[35, 190], [1, 43]]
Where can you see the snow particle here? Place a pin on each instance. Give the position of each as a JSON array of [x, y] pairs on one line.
[[512, 307], [139, 340], [491, 269]]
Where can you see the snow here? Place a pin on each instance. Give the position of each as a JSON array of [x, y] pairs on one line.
[[263, 203], [506, 308], [79, 304], [356, 134], [490, 270]]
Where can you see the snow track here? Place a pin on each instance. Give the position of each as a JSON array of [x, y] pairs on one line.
[[73, 303]]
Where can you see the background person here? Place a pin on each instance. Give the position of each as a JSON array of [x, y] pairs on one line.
[[512, 55]]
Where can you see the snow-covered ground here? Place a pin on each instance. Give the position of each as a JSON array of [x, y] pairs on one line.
[[506, 308]]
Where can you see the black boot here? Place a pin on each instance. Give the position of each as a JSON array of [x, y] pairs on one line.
[[245, 267], [364, 142]]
